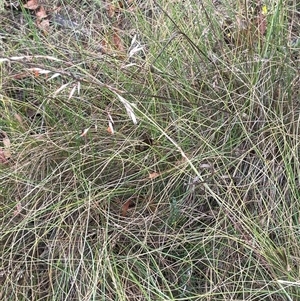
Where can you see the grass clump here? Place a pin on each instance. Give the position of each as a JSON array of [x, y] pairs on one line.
[[149, 151]]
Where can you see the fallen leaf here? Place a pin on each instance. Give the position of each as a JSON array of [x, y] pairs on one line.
[[262, 24], [56, 9], [261, 20], [3, 158], [41, 13], [111, 10], [43, 25], [147, 142], [20, 75], [19, 118], [117, 42], [5, 153], [6, 142], [121, 5], [103, 47], [152, 206], [183, 160], [125, 207], [153, 175], [110, 128], [32, 4], [18, 209]]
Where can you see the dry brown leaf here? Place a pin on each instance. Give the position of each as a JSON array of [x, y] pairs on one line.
[[18, 209], [6, 150], [153, 175], [43, 25], [125, 207], [41, 13], [181, 161], [262, 24], [3, 158], [152, 206], [110, 128], [117, 42], [6, 142], [32, 4], [20, 75], [56, 9], [36, 73], [19, 118], [121, 5], [103, 47], [111, 10]]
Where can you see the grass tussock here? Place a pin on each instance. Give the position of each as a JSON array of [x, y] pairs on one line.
[[150, 151]]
